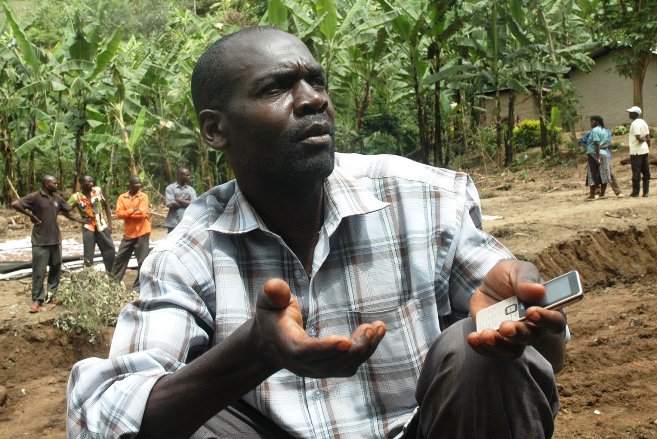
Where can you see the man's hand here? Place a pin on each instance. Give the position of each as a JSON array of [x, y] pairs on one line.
[[36, 221], [285, 344], [506, 279]]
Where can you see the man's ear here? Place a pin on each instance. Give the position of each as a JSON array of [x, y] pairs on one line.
[[213, 132]]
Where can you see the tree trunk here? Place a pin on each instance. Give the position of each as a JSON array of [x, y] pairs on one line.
[[461, 141], [509, 148], [637, 81], [31, 173], [206, 177], [421, 113], [9, 183], [438, 160], [498, 129], [126, 141], [541, 120], [78, 157], [31, 177], [360, 117]]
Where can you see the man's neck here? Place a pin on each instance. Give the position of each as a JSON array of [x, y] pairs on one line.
[[295, 217]]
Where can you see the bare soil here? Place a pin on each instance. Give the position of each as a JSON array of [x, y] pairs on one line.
[[609, 384]]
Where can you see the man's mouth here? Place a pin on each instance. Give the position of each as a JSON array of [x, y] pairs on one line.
[[319, 132]]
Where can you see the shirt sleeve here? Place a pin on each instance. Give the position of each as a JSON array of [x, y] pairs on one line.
[[27, 202], [170, 197], [192, 193], [156, 335], [597, 136], [121, 208], [475, 254]]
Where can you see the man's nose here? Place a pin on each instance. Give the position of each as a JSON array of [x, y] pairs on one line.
[[308, 100]]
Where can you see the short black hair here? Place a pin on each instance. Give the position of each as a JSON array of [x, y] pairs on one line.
[[47, 177], [598, 119], [209, 89], [84, 177]]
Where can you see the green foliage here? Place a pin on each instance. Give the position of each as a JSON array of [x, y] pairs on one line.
[[92, 301], [528, 134], [620, 130], [83, 91]]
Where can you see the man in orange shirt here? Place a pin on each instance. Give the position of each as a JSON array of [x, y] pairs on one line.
[[132, 208]]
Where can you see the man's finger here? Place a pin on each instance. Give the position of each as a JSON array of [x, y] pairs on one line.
[[551, 320]]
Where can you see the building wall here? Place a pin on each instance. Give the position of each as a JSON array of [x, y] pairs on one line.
[[604, 92], [526, 107]]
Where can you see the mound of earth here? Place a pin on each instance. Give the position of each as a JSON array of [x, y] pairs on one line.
[[608, 386]]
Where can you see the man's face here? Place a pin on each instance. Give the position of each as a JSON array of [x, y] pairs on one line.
[[184, 176], [280, 120], [50, 185], [134, 185], [593, 123], [633, 115], [87, 183]]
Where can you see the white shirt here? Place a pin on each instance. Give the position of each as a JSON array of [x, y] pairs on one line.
[[638, 127]]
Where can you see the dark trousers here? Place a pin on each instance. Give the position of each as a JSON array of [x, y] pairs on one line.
[[460, 393], [640, 165], [128, 245], [105, 245], [45, 256]]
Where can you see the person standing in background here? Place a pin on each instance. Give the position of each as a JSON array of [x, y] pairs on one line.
[[178, 195], [132, 208], [42, 208], [599, 172], [639, 141], [607, 147], [97, 230]]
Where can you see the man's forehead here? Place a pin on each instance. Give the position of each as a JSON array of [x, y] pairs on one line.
[[269, 50]]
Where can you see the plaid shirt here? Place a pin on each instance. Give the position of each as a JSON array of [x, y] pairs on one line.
[[401, 243]]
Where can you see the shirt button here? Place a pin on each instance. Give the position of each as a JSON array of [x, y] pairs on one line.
[[318, 394], [297, 273]]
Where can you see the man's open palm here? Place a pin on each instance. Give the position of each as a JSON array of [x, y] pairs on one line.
[[286, 345]]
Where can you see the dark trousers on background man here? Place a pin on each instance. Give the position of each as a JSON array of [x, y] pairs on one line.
[[640, 167], [128, 245], [105, 245], [45, 256]]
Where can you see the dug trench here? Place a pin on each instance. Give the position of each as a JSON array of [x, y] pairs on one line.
[[608, 386]]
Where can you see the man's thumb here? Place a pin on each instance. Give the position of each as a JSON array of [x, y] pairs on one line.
[[277, 294]]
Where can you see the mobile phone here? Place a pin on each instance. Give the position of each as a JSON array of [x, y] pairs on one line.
[[559, 292]]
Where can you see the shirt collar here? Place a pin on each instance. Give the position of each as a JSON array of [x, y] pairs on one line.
[[343, 195]]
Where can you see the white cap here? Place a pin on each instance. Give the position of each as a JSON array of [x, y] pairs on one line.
[[634, 109]]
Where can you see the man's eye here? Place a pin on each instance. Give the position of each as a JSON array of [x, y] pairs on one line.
[[318, 82]]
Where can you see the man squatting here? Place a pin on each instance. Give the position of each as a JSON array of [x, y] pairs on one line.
[[319, 294]]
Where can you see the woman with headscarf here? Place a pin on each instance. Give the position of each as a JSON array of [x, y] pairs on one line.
[[599, 170]]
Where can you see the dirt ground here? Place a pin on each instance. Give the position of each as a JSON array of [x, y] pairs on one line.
[[609, 384]]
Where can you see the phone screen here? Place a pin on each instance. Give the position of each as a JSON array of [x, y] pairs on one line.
[[557, 290]]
